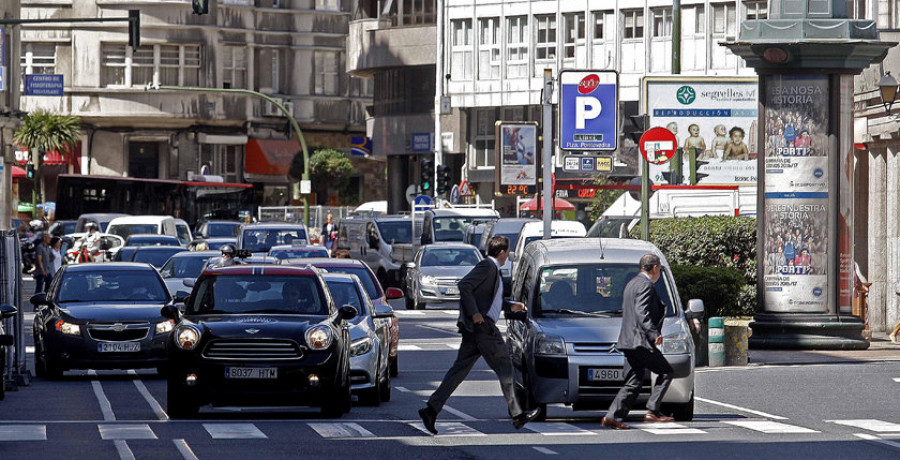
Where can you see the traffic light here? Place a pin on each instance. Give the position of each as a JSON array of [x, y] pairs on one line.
[[134, 29], [443, 179], [426, 174], [29, 171], [200, 6], [695, 165], [641, 123], [675, 174]]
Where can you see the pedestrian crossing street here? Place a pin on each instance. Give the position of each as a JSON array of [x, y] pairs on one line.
[[125, 431]]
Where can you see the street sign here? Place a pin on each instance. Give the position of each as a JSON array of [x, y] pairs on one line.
[[454, 194], [465, 189], [588, 105], [44, 85], [2, 78], [421, 142], [422, 202], [589, 164], [658, 145]]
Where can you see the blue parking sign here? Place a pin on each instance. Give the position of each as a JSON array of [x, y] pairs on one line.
[[589, 107]]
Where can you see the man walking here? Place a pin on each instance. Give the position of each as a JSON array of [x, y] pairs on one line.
[[43, 273], [481, 299], [642, 320]]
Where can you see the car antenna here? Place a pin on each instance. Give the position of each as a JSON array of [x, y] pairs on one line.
[[600, 239]]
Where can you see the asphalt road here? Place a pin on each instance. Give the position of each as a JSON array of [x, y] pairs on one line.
[[829, 411]]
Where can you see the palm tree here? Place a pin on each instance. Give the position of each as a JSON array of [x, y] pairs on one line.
[[43, 131]]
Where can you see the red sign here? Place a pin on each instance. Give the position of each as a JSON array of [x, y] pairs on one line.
[[658, 145], [588, 84]]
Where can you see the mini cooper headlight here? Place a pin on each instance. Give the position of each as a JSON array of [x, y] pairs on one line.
[[318, 338], [165, 326], [68, 328], [186, 337], [550, 345], [361, 346]]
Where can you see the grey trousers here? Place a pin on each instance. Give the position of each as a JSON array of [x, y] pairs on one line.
[[486, 341], [637, 362]]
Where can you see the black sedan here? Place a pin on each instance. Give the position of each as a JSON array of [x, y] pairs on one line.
[[259, 335], [101, 316]]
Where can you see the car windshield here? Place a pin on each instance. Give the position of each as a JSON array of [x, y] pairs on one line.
[[369, 282], [221, 229], [282, 254], [395, 232], [608, 228], [450, 257], [241, 294], [453, 228], [155, 258], [183, 267], [184, 234], [591, 289], [513, 239], [112, 286], [152, 241], [216, 244], [345, 293], [126, 230], [262, 240]]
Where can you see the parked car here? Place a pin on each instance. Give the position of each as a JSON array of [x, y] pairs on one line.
[[297, 252], [101, 219], [183, 266], [151, 240], [566, 348], [157, 256], [378, 296], [260, 238], [370, 339], [6, 340], [101, 316], [132, 225], [245, 340], [217, 229], [431, 278], [217, 243]]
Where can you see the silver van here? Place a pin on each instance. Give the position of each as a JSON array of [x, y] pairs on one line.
[[371, 240], [566, 348]]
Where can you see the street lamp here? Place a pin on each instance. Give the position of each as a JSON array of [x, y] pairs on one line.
[[888, 86]]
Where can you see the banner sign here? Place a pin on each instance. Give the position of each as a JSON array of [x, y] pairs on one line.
[[44, 85]]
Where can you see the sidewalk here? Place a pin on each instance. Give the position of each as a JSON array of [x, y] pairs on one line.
[[881, 349]]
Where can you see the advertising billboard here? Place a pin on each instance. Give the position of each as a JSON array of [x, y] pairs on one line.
[[516, 156]]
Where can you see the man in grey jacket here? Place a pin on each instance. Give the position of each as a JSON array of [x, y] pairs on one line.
[[642, 320], [481, 300]]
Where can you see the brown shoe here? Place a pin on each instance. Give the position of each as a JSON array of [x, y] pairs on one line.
[[656, 417], [614, 424]]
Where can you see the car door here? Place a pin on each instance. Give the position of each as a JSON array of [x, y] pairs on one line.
[[381, 326]]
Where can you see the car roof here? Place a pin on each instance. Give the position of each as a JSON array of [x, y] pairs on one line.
[[108, 266], [331, 262], [102, 215], [150, 236], [198, 254], [262, 270], [159, 248], [341, 277], [591, 250], [449, 245], [465, 212], [272, 225], [308, 247], [514, 223]]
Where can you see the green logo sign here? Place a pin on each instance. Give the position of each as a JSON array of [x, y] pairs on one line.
[[686, 95]]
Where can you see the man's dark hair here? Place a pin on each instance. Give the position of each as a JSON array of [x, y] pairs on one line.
[[497, 244], [648, 261]]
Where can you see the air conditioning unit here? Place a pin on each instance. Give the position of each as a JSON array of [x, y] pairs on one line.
[[289, 105], [271, 110]]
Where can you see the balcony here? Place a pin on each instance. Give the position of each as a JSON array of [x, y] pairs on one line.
[[374, 44]]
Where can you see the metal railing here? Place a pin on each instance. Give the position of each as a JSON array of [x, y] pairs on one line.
[[294, 214], [11, 293]]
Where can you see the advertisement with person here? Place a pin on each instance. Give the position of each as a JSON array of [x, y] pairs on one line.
[[714, 119], [517, 147]]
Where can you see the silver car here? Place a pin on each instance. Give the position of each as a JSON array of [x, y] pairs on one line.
[[432, 277], [566, 348], [370, 339], [183, 266]]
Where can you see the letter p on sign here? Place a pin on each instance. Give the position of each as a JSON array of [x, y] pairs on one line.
[[586, 108]]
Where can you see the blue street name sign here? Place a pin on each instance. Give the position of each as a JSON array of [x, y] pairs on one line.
[[588, 105], [44, 85], [421, 142]]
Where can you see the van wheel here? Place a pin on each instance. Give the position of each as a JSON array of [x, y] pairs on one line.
[[681, 412]]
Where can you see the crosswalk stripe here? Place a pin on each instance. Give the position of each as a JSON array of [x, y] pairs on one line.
[[450, 312], [341, 430], [545, 450], [234, 431], [23, 432], [897, 379], [124, 432], [666, 428], [402, 347], [453, 346], [449, 429], [409, 313], [873, 438], [557, 429], [769, 427], [877, 426]]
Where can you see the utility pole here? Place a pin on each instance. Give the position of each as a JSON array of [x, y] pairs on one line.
[[438, 90], [676, 37], [548, 152]]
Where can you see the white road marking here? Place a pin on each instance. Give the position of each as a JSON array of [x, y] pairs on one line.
[[557, 429], [877, 426], [123, 432], [449, 429], [234, 431], [105, 406], [341, 430], [769, 427], [666, 428], [404, 347], [403, 389], [124, 451], [873, 438], [742, 409], [459, 414], [185, 449], [544, 450], [23, 433], [897, 379], [154, 404], [409, 313], [29, 349], [453, 346], [450, 312]]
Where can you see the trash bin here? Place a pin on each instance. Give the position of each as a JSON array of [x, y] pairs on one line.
[[716, 342], [736, 344]]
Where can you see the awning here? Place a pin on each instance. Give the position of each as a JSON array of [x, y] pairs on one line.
[[18, 172], [559, 204], [270, 157]]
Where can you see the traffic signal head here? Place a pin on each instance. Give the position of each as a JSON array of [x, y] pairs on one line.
[[29, 171], [443, 179], [134, 29], [426, 174], [641, 123], [200, 6]]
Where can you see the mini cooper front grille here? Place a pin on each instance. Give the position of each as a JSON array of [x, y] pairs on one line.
[[118, 332], [253, 350]]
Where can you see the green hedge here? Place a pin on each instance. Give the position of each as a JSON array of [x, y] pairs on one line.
[[719, 288]]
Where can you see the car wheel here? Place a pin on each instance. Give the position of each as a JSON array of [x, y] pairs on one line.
[[395, 367], [420, 305], [527, 399], [681, 412], [178, 404], [43, 364], [410, 305], [384, 388]]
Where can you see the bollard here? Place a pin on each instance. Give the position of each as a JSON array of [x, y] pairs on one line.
[[716, 342], [735, 345]]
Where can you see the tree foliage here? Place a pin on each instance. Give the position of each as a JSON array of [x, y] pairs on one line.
[[43, 130], [604, 198], [329, 169]]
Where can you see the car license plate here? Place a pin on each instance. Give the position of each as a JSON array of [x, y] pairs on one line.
[[119, 347], [251, 373], [451, 291], [602, 375]]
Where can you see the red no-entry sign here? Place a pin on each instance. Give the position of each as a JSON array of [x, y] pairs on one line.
[[658, 145]]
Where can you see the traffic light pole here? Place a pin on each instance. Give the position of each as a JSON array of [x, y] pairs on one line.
[[547, 152]]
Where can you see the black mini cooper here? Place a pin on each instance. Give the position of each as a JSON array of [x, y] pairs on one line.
[[254, 335]]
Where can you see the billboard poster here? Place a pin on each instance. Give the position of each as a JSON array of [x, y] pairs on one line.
[[517, 153], [713, 118]]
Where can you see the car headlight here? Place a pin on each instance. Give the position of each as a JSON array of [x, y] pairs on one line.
[[318, 338], [361, 346], [425, 279], [676, 345], [68, 328], [165, 326], [550, 345], [186, 337]]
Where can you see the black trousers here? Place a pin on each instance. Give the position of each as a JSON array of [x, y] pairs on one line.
[[637, 363]]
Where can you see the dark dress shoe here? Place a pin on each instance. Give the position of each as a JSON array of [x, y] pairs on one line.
[[520, 420], [429, 416], [656, 417], [610, 422]]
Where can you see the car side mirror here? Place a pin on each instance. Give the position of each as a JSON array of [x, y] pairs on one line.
[[169, 312], [696, 308], [410, 265], [181, 296], [348, 312], [39, 299], [8, 310], [383, 311], [189, 282], [393, 293]]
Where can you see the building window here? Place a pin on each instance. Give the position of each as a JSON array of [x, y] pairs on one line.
[[757, 9], [362, 87], [461, 61], [634, 24], [223, 160], [699, 20], [234, 67], [328, 5], [483, 153], [723, 16], [574, 33], [38, 58], [662, 22], [545, 46], [600, 25], [327, 73], [176, 65], [516, 46], [489, 49], [179, 65], [418, 12]]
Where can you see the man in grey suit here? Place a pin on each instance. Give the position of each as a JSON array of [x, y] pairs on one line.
[[642, 320], [481, 299]]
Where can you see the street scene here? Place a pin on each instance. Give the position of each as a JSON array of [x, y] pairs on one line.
[[449, 229]]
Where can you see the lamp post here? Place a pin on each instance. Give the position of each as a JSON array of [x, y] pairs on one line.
[[888, 86]]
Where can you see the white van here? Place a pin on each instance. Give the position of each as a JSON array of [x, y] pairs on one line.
[[137, 225], [532, 231]]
